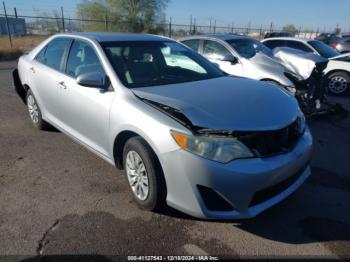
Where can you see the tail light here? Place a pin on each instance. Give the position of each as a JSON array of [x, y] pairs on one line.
[[334, 45]]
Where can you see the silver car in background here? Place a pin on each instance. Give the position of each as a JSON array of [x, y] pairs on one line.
[[210, 145], [240, 55]]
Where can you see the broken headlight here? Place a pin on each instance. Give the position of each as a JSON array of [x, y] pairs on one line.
[[220, 149]]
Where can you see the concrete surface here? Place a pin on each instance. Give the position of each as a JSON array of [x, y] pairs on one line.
[[57, 198]]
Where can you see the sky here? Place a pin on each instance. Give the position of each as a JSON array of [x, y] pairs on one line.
[[309, 14]]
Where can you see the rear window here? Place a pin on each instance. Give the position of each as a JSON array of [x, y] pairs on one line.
[[192, 43]]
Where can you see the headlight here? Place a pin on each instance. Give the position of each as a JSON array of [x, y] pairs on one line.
[[220, 149]]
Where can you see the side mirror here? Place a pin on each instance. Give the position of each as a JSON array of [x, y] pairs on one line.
[[230, 58], [91, 79]]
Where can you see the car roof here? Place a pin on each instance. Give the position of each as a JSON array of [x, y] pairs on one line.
[[304, 40], [116, 37], [224, 37]]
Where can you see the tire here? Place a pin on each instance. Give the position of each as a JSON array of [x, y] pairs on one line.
[[338, 83], [35, 112], [154, 195]]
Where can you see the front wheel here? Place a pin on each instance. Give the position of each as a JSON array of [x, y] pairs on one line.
[[338, 83], [144, 174]]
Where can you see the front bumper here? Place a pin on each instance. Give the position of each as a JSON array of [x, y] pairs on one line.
[[239, 182]]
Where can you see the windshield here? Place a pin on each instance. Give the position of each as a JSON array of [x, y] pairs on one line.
[[149, 63], [248, 48], [323, 49]]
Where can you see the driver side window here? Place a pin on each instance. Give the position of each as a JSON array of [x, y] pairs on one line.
[[214, 50], [82, 59]]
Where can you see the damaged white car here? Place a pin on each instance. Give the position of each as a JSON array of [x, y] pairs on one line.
[[337, 71]]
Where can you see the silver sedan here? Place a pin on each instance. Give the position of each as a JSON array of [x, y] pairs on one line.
[[186, 135]]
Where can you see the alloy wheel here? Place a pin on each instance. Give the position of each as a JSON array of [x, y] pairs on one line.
[[137, 175]]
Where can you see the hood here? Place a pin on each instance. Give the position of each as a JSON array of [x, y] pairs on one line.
[[267, 62], [343, 57], [226, 103], [299, 62]]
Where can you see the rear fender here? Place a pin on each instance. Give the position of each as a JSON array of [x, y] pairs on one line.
[[19, 88]]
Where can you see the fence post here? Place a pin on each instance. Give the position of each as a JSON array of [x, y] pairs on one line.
[[7, 24], [63, 27], [106, 22], [170, 28]]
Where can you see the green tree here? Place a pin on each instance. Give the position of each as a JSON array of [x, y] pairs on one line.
[[126, 15], [290, 28]]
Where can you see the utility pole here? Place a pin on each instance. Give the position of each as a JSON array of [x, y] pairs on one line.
[[7, 24], [63, 27], [15, 10], [214, 26], [271, 27], [232, 26]]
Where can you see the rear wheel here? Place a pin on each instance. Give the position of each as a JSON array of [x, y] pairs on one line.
[[338, 83], [144, 174], [34, 112]]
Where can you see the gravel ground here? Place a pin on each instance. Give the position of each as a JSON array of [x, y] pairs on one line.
[[57, 198]]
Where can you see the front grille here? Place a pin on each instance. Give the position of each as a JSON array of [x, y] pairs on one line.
[[212, 200], [268, 143], [268, 193]]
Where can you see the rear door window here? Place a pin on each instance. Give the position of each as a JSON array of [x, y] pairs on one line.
[[52, 54], [299, 45], [275, 43]]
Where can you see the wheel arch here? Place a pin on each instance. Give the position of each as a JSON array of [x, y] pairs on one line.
[[338, 70]]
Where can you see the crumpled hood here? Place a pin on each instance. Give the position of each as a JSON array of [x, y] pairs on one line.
[[227, 103], [270, 63], [297, 61]]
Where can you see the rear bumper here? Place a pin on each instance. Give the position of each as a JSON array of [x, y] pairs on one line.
[[249, 186], [19, 88]]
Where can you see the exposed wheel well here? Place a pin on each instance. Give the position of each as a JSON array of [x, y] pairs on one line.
[[118, 147]]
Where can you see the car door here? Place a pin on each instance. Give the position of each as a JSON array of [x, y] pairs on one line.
[[44, 73], [216, 53], [84, 111]]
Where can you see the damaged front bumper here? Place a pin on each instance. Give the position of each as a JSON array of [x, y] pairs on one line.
[[240, 189]]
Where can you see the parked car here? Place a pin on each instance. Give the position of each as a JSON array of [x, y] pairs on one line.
[[278, 34], [342, 45], [338, 69], [328, 38], [240, 56], [210, 145]]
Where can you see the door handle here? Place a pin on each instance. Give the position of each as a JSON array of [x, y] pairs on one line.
[[62, 84], [32, 69]]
